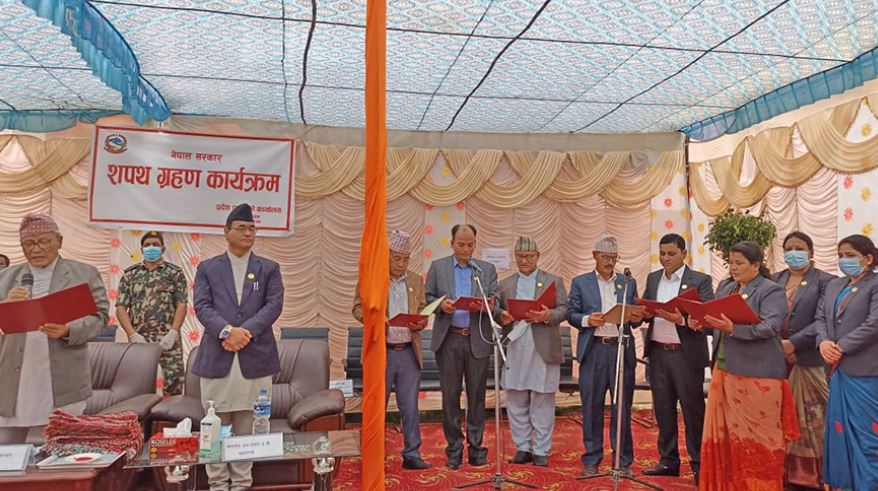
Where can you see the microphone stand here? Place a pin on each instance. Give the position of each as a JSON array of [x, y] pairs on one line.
[[497, 481], [619, 400]]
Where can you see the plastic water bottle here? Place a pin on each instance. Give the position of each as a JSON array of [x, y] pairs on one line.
[[261, 413]]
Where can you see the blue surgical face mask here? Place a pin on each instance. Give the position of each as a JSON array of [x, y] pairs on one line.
[[850, 266], [796, 259], [152, 253]]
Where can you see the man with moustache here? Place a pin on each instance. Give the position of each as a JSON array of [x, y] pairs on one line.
[[533, 359], [677, 358], [462, 340]]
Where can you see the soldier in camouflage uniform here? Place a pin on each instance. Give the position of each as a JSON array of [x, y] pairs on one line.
[[151, 307]]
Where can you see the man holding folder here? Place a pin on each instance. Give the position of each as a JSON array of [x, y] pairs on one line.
[[534, 357], [592, 295], [404, 361], [48, 368], [462, 340], [677, 358]]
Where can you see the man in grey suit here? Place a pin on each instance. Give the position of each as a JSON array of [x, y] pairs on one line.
[[533, 358], [238, 297], [29, 392], [462, 342], [677, 358]]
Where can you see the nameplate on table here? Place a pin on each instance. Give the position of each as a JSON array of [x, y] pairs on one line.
[[346, 386], [253, 447], [14, 458]]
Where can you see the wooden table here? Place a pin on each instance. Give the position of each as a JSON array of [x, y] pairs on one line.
[[112, 478]]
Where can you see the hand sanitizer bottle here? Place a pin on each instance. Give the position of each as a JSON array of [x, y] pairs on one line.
[[209, 444]]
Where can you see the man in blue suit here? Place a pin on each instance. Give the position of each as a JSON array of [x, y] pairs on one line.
[[238, 297], [591, 295]]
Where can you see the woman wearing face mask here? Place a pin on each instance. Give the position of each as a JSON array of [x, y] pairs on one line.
[[847, 335], [804, 285], [750, 414]]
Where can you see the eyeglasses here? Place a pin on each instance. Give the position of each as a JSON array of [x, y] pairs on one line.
[[44, 244], [245, 228], [526, 257], [609, 257]]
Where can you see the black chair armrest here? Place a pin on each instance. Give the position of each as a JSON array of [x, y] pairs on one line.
[[139, 404], [323, 403], [178, 408]]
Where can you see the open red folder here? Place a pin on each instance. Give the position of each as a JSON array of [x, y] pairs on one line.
[[734, 306], [519, 307], [466, 303], [670, 305], [406, 319], [56, 308]]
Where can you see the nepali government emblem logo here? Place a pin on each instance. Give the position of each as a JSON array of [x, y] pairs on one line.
[[115, 143]]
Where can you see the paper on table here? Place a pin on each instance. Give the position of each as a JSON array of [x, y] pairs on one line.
[[614, 315], [406, 319], [733, 306], [519, 307], [60, 307], [669, 306]]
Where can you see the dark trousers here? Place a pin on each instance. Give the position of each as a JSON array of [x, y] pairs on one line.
[[457, 363], [597, 376], [404, 378], [672, 379]]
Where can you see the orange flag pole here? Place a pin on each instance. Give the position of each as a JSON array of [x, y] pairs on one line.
[[374, 255]]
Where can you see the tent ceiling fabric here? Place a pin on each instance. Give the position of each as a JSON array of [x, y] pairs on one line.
[[461, 65]]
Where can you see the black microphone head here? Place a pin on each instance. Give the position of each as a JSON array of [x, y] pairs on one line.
[[27, 280], [627, 272]]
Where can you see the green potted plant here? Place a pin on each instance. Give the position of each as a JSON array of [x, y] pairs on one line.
[[732, 227]]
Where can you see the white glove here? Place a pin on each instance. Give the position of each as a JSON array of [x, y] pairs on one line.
[[169, 340], [136, 338]]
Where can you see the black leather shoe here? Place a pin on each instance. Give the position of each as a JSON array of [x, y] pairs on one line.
[[695, 474], [589, 470], [521, 458], [453, 464], [414, 463], [541, 460], [661, 470], [478, 461]]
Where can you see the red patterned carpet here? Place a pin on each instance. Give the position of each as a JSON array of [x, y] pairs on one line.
[[564, 463]]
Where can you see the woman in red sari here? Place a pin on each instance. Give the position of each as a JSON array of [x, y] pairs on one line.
[[750, 411]]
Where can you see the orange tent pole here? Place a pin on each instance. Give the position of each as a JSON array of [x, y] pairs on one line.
[[374, 255]]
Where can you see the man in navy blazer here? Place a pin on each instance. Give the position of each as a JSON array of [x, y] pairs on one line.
[[238, 297], [591, 295]]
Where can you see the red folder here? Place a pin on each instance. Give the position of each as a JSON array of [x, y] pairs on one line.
[[56, 308], [734, 306], [670, 305], [403, 320], [519, 307], [466, 303]]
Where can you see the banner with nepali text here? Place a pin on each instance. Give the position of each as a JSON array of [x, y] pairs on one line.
[[159, 180]]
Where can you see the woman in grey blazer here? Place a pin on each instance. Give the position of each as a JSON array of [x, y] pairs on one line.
[[749, 414], [804, 285], [847, 335]]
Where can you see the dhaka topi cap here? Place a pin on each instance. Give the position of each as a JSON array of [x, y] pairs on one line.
[[242, 212], [606, 243], [526, 244], [34, 224], [152, 234], [400, 242]]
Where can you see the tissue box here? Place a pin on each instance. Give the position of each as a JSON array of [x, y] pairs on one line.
[[161, 447]]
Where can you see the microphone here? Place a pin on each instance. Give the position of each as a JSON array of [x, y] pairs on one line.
[[27, 281], [473, 265], [627, 273]]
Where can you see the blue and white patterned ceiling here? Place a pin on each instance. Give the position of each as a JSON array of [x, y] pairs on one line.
[[458, 65]]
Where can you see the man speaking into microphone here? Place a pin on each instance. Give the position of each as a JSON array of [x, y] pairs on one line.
[[591, 295], [45, 369], [462, 340]]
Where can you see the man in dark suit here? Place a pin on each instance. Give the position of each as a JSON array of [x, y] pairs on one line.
[[462, 342], [238, 297], [405, 295], [592, 295], [677, 358]]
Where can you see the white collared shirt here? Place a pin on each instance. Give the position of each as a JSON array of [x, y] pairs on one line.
[[239, 272], [398, 303], [42, 279], [664, 331], [607, 289]]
